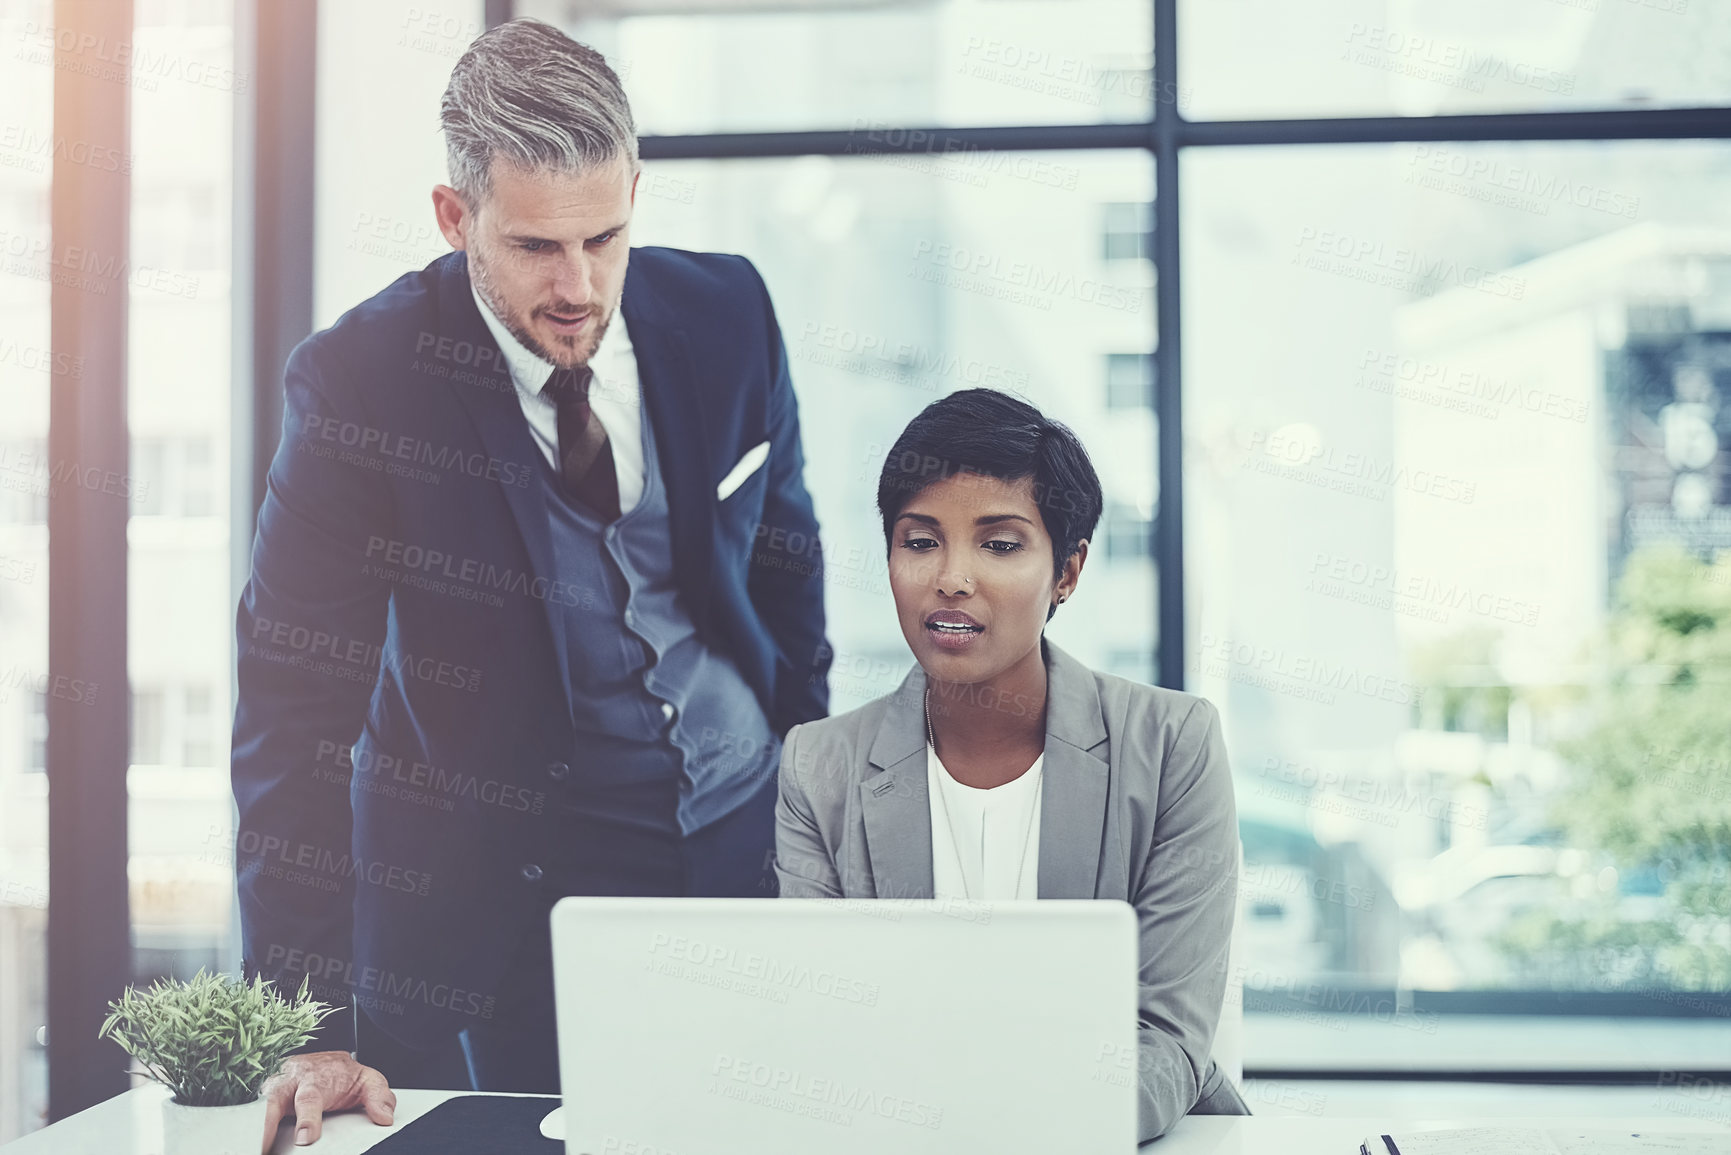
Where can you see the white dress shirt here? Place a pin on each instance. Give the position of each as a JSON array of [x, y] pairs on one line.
[[615, 396], [985, 843]]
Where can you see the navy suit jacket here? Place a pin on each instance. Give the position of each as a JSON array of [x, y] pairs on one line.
[[404, 602]]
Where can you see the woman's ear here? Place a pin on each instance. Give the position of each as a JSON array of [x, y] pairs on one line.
[[1072, 572]]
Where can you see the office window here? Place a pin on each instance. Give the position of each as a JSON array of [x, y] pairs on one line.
[[1456, 498], [180, 645], [36, 733], [196, 722], [1127, 233], [174, 476], [149, 464], [24, 479], [198, 497], [1129, 381], [1135, 664], [945, 288], [1129, 533], [146, 718], [821, 66], [1269, 58], [28, 375]]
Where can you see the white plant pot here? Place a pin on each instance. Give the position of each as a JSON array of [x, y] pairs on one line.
[[237, 1130]]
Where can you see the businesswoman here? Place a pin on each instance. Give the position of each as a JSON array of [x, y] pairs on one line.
[[1004, 768]]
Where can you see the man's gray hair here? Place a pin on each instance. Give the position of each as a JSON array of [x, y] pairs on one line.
[[529, 94]]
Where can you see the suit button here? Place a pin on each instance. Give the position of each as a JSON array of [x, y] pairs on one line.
[[667, 709], [531, 872], [558, 771]]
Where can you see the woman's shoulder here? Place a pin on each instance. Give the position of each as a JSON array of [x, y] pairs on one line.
[[844, 737], [1148, 699], [1146, 708]]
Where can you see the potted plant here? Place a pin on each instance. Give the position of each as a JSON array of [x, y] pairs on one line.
[[213, 1041]]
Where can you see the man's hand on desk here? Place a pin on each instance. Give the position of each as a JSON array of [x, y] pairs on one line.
[[321, 1081]]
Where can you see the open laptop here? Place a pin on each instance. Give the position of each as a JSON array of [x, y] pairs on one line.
[[846, 1027]]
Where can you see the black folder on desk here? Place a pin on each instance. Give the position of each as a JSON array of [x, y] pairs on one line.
[[478, 1125]]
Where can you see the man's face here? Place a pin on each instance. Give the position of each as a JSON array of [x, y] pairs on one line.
[[547, 252]]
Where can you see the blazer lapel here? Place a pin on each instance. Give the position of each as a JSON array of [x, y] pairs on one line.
[[498, 417], [676, 407], [1073, 790], [893, 797]]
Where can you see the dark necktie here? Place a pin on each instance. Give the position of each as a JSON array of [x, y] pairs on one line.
[[585, 457]]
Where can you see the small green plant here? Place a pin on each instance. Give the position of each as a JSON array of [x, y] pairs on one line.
[[213, 1040]]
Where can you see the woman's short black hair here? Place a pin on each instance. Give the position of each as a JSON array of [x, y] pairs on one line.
[[987, 432]]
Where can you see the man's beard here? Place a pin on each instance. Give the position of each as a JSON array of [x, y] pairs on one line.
[[518, 327]]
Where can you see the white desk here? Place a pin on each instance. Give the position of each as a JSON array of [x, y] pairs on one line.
[[129, 1125]]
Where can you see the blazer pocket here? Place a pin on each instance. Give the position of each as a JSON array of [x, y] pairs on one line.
[[748, 465]]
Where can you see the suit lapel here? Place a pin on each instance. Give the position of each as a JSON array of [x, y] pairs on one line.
[[676, 408], [498, 416], [1073, 789], [893, 797]]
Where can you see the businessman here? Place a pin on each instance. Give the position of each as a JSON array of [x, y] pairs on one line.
[[522, 620]]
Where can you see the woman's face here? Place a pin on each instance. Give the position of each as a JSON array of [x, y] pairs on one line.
[[971, 570]]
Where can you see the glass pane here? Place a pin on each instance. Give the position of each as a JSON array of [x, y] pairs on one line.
[[28, 372], [818, 64], [895, 285], [375, 173], [181, 614], [1272, 58], [1456, 487]]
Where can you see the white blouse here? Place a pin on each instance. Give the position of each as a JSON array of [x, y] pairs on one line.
[[985, 843]]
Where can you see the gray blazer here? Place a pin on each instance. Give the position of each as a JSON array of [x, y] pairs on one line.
[[1136, 805]]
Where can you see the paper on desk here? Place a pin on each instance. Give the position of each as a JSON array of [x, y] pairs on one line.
[[1531, 1141]]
